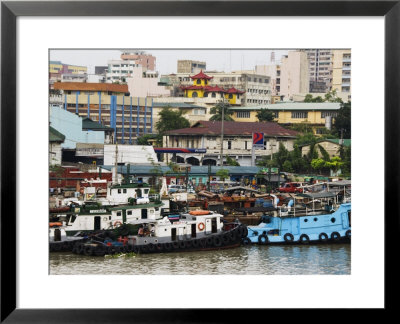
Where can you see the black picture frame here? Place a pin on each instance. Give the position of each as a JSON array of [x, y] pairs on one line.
[[11, 10]]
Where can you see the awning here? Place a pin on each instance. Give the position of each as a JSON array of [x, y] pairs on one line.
[[317, 195]]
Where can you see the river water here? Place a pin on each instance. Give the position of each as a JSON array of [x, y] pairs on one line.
[[325, 259]]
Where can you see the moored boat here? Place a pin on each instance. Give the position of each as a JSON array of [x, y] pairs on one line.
[[193, 231], [321, 224]]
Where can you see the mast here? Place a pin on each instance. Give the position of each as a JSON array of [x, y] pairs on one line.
[[115, 171]]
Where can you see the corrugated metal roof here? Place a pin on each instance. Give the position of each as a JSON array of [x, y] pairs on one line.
[[55, 135], [82, 86], [346, 142], [87, 123], [294, 106], [175, 105], [235, 128], [194, 170]]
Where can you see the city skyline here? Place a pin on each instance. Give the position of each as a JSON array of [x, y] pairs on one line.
[[216, 59]]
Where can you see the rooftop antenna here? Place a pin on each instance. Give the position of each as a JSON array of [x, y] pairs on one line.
[[272, 58]]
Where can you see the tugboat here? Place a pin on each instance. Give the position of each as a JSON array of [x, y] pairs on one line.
[[319, 219], [193, 231]]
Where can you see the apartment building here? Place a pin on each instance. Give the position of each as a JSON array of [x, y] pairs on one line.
[[111, 105], [320, 69], [120, 70], [147, 61], [341, 72]]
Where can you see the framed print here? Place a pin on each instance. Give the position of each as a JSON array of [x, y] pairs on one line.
[[38, 36]]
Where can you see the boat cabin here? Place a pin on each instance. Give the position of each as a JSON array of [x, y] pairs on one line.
[[188, 226]]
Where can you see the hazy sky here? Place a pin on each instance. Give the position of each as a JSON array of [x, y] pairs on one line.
[[220, 60]]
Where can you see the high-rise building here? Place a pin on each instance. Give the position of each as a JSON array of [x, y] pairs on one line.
[[294, 77], [341, 72], [320, 69]]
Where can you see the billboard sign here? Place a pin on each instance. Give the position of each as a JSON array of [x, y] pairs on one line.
[[258, 140]]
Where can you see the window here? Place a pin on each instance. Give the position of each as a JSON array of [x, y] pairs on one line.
[[328, 113], [124, 191], [129, 212], [199, 111], [229, 145], [230, 96], [198, 81], [243, 114], [213, 95], [299, 114]]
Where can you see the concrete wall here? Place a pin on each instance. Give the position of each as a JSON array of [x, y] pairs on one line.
[[331, 148], [294, 77], [140, 86], [70, 125], [55, 154], [133, 154], [237, 147]]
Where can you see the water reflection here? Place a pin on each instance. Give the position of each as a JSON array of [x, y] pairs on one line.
[[248, 260]]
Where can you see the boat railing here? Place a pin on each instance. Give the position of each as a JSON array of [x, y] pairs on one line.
[[304, 211]]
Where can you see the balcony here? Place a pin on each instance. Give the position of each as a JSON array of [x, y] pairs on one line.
[[346, 68]]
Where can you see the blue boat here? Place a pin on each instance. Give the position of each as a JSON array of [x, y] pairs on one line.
[[308, 221]]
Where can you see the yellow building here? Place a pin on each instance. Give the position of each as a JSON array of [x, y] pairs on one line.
[[318, 115], [59, 67], [201, 89]]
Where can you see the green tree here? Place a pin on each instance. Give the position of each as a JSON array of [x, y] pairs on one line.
[[287, 166], [216, 112], [318, 164], [231, 162], [331, 96], [222, 174], [281, 156], [144, 140], [297, 161], [324, 153], [265, 115], [170, 120], [342, 123], [334, 164], [345, 155], [309, 98]]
